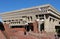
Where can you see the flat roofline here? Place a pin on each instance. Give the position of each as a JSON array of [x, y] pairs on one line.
[[32, 8], [55, 9], [27, 8]]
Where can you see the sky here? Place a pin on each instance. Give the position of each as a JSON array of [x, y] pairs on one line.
[[11, 5]]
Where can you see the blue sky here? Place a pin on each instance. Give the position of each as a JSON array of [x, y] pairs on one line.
[[10, 5]]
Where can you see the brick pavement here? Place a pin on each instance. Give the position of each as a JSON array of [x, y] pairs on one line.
[[31, 35]]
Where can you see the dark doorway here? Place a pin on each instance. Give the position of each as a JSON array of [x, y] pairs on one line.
[[58, 30], [1, 26], [32, 28], [29, 27], [42, 27]]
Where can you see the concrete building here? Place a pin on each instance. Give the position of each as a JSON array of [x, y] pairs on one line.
[[39, 18]]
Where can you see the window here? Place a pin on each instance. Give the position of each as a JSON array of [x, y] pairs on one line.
[[59, 22], [20, 19], [19, 22], [47, 16], [31, 18], [41, 15], [12, 20], [16, 22], [28, 18], [53, 20], [4, 21], [50, 19], [17, 26], [41, 18], [24, 16], [37, 16], [9, 20]]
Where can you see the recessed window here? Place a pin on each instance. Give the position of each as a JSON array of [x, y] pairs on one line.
[[41, 18], [37, 16], [9, 20], [53, 20], [4, 21], [50, 19], [20, 19], [17, 26], [24, 16], [47, 16], [59, 22], [31, 18], [56, 20], [41, 15], [12, 20], [28, 18], [19, 22]]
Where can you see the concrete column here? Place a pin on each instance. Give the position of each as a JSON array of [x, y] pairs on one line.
[[46, 23], [51, 25], [39, 23], [39, 26], [34, 17], [35, 26]]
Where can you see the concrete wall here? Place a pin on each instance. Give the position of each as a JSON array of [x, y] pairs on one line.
[[50, 25]]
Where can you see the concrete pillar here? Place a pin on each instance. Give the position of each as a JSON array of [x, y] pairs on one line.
[[39, 23], [46, 23], [35, 25], [34, 17], [39, 26]]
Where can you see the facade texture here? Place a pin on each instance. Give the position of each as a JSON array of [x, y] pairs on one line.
[[36, 19]]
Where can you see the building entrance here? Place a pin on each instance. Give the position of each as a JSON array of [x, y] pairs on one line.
[[29, 27], [2, 26], [42, 27], [58, 30]]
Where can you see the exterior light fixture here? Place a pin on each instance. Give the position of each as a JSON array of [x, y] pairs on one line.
[[30, 21], [37, 19], [26, 23], [42, 20]]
